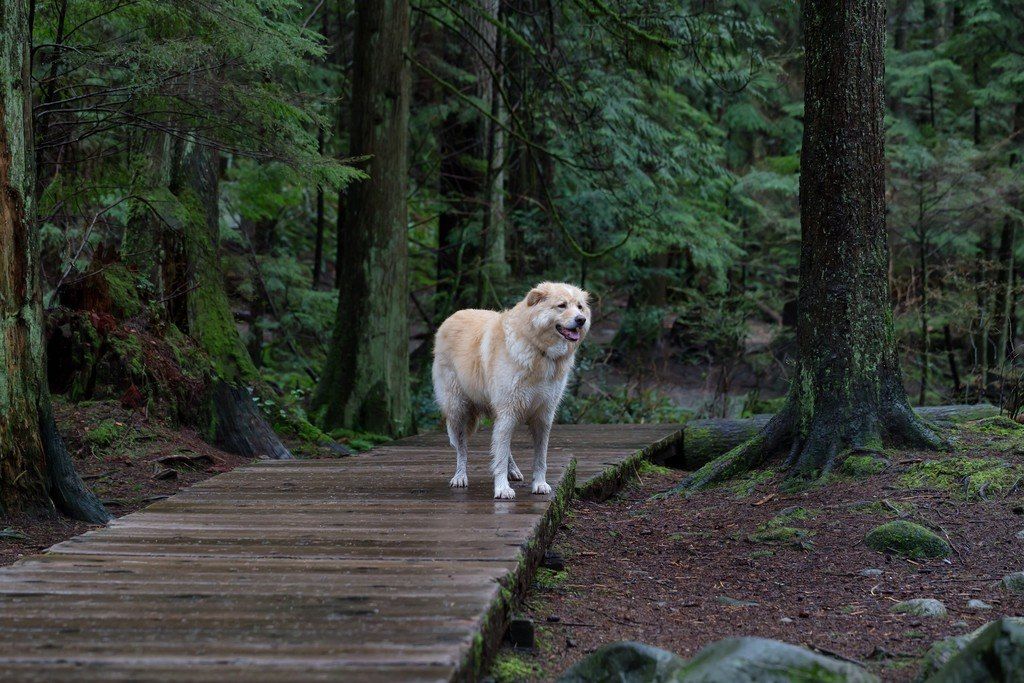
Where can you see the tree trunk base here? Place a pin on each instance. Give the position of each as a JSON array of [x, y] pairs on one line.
[[240, 427], [67, 490], [723, 449]]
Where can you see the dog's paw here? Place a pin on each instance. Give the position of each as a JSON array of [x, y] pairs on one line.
[[541, 488], [459, 481], [514, 474], [504, 492]]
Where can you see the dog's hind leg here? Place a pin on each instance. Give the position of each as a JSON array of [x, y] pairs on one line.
[[501, 455], [540, 429], [514, 473], [457, 435]]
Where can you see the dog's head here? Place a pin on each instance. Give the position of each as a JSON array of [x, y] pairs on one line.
[[558, 312]]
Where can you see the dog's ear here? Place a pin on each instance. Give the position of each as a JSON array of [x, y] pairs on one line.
[[535, 297]]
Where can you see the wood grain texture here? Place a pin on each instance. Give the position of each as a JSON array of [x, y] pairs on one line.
[[363, 569]]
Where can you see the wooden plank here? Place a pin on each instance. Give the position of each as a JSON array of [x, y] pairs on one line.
[[367, 568]]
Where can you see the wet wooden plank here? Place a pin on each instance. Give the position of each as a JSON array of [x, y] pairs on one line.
[[367, 568]]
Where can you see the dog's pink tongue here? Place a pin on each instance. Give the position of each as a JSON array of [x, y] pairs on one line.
[[573, 335]]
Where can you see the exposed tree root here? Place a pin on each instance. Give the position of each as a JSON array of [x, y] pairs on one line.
[[817, 445], [67, 490]]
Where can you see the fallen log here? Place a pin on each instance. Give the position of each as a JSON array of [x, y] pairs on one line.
[[705, 440]]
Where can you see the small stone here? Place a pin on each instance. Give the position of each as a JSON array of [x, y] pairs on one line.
[[870, 571], [569, 642], [978, 605], [732, 602], [1014, 582], [1020, 535], [921, 607], [786, 620], [554, 618], [960, 624], [521, 633], [553, 561]]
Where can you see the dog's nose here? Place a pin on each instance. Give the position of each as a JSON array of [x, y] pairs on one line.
[[580, 321]]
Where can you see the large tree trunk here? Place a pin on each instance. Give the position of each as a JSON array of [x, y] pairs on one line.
[[36, 472], [237, 423], [365, 383], [848, 392]]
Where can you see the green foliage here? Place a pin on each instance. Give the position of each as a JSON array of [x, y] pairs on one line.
[[105, 434]]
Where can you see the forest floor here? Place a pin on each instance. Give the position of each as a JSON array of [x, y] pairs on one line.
[[680, 573], [129, 460]]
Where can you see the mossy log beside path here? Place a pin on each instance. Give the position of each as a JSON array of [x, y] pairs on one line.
[[705, 440]]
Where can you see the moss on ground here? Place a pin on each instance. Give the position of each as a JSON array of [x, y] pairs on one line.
[[862, 466], [967, 478], [907, 539], [549, 579], [358, 441], [511, 668], [745, 485], [105, 433], [648, 468], [779, 529]]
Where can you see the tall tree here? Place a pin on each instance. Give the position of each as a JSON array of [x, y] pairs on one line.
[[365, 382], [36, 472], [848, 392], [237, 423]]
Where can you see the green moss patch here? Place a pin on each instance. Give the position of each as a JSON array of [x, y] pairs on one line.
[[862, 466], [105, 433], [745, 485], [549, 579], [780, 529], [968, 478], [510, 668], [648, 468], [358, 441], [907, 539]]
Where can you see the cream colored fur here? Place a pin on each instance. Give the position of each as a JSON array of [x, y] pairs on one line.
[[511, 366]]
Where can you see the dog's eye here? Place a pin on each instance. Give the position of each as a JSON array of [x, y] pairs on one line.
[[562, 305]]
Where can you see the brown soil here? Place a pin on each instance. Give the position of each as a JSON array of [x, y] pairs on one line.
[[657, 571], [147, 460]]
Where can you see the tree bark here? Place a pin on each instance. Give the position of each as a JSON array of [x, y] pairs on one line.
[[365, 383], [848, 391], [37, 474], [237, 423], [318, 253]]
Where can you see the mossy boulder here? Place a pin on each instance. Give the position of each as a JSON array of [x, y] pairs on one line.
[[941, 651], [921, 607], [907, 539], [994, 652], [625, 662], [759, 660]]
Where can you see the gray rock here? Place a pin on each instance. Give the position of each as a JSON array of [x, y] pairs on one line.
[[1014, 582], [786, 620], [979, 605], [733, 602], [759, 660], [907, 539], [995, 652], [625, 662], [870, 572], [1020, 534], [921, 607], [941, 652], [733, 660]]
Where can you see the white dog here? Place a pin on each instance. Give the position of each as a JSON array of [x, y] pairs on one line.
[[512, 366]]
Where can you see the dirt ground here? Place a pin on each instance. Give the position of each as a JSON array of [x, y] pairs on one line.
[[128, 459], [681, 573]]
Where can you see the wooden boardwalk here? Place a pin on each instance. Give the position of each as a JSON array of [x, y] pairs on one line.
[[362, 569]]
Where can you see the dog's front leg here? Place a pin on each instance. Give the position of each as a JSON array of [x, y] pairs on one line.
[[540, 428], [501, 453]]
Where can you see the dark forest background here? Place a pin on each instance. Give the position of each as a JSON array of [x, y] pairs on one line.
[[196, 166]]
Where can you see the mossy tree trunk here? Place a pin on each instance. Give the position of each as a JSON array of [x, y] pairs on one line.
[[36, 472], [848, 391], [365, 383], [236, 421]]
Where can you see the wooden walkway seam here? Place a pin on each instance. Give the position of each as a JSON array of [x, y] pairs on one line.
[[367, 568]]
